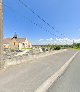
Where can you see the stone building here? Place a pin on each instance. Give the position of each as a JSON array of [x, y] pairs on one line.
[[16, 43]]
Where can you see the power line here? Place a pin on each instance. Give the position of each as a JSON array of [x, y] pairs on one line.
[[36, 14], [36, 24], [43, 29], [25, 5]]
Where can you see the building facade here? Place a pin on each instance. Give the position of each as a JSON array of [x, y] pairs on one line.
[[16, 43]]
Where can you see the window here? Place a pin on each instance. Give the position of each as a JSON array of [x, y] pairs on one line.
[[23, 44], [14, 43]]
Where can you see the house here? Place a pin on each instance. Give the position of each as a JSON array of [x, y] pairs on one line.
[[6, 43], [16, 43]]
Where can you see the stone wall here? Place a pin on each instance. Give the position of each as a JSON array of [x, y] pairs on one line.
[[10, 58]]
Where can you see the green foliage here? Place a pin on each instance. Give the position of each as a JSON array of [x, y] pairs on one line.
[[78, 45], [43, 49], [26, 48], [57, 48], [50, 47], [12, 50]]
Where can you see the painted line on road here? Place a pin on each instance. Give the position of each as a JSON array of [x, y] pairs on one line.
[[46, 85]]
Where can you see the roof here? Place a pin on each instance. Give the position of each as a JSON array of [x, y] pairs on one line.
[[6, 40], [19, 40]]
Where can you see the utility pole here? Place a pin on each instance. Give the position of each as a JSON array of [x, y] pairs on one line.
[[73, 43], [1, 27]]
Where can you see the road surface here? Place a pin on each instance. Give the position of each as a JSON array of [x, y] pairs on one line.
[[28, 77], [70, 81]]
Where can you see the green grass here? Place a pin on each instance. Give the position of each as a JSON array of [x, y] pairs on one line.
[[76, 48], [27, 49]]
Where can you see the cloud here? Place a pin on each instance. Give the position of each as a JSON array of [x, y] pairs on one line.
[[41, 40], [49, 39], [58, 41]]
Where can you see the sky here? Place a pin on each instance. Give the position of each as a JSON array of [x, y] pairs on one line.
[[63, 15]]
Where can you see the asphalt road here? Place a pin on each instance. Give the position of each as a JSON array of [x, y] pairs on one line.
[[28, 77], [70, 81]]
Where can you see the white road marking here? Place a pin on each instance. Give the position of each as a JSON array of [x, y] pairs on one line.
[[44, 87]]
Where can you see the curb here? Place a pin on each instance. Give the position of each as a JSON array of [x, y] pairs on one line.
[[45, 86]]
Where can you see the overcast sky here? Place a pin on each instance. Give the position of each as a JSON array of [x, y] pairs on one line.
[[63, 15]]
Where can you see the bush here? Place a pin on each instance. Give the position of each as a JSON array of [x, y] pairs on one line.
[[12, 50], [57, 48], [46, 49], [43, 49]]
